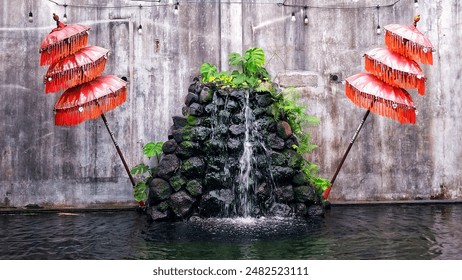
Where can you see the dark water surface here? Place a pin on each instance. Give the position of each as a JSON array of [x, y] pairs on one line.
[[346, 232]]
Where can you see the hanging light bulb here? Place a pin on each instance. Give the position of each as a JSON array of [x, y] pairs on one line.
[[31, 17], [306, 20], [140, 29], [293, 17], [65, 13], [378, 30], [416, 4], [175, 11]]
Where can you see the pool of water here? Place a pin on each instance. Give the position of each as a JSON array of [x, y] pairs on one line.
[[346, 232]]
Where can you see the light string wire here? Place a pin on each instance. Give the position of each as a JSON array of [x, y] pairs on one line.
[[280, 4]]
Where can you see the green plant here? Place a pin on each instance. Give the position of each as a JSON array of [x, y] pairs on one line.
[[287, 108], [249, 72], [149, 150]]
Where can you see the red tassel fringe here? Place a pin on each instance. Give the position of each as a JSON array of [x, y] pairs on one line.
[[73, 77], [56, 52], [408, 48], [91, 110], [402, 113], [394, 77]]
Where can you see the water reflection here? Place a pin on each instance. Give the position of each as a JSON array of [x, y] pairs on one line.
[[346, 232]]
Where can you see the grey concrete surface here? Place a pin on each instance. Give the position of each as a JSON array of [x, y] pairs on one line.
[[79, 167]]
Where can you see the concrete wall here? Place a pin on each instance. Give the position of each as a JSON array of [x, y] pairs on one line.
[[78, 166]]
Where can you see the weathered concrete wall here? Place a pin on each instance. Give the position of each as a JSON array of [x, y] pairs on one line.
[[78, 166]]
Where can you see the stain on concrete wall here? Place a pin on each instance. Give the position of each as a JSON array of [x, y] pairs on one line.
[[78, 166]]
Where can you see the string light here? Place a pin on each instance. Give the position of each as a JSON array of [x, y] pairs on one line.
[[416, 4], [65, 13], [293, 17], [378, 31], [306, 17], [175, 11], [140, 28], [31, 17]]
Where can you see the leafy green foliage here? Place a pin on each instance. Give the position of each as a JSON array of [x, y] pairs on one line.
[[249, 72], [287, 108], [149, 150]]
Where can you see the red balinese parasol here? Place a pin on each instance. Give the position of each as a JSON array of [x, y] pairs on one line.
[[90, 100], [77, 68], [395, 69], [62, 41], [409, 41], [80, 67], [379, 90]]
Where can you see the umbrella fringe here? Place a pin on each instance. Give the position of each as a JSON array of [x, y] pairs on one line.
[[91, 110], [408, 48], [383, 107], [394, 77], [75, 76], [54, 53]]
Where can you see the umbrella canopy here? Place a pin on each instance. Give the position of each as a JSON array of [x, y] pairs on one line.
[[409, 41], [63, 41], [90, 100], [367, 91], [395, 69], [80, 67]]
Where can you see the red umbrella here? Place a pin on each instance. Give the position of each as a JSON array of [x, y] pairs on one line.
[[367, 91], [395, 69], [90, 100], [62, 41], [80, 67], [409, 41]]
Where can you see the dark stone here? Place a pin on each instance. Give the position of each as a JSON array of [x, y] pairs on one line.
[[284, 130], [190, 98], [275, 142], [281, 210], [214, 146], [266, 123], [205, 96], [281, 173], [157, 215], [163, 206], [304, 194], [185, 110], [214, 180], [299, 179], [300, 209], [238, 95], [263, 193], [315, 211], [291, 142], [193, 167], [183, 134], [220, 130], [234, 144], [169, 147], [264, 100], [195, 109], [278, 159], [179, 121], [177, 182], [238, 118], [284, 193], [187, 149], [231, 105], [210, 108], [159, 190], [200, 133], [224, 116], [168, 165], [263, 111], [181, 204], [194, 188], [214, 202], [294, 159], [237, 129]]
